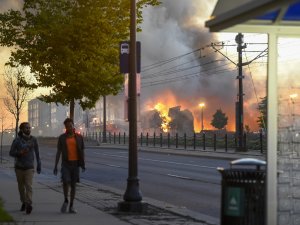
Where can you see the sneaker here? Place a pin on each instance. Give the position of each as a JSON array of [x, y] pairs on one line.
[[28, 209], [72, 210], [64, 207], [22, 207]]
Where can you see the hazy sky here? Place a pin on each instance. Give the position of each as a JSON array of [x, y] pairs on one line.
[[176, 28], [171, 30]]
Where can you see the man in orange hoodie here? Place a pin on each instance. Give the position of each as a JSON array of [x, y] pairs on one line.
[[71, 146]]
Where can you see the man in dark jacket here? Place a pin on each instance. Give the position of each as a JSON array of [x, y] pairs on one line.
[[71, 146], [23, 149]]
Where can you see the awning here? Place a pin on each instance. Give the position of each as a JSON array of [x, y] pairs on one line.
[[253, 16], [277, 18]]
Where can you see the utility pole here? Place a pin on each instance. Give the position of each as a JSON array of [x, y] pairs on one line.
[[104, 120], [202, 105], [87, 112], [132, 197], [239, 39]]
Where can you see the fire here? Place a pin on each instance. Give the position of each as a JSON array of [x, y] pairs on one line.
[[163, 113], [167, 99]]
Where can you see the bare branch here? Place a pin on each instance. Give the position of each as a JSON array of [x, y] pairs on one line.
[[16, 95]]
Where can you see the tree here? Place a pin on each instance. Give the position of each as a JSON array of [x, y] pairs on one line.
[[16, 95], [2, 116], [71, 46], [247, 128], [219, 120], [262, 108]]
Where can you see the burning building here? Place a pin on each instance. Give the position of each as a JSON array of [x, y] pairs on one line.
[[151, 122], [181, 121], [172, 120]]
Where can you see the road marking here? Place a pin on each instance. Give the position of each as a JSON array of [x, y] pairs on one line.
[[178, 163], [160, 161], [111, 165], [106, 154], [192, 179], [105, 164], [178, 176]]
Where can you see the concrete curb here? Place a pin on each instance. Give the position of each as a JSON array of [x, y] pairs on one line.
[[189, 152], [163, 205]]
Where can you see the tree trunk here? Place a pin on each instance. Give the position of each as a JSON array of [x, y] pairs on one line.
[[72, 107], [2, 130], [17, 124], [104, 119]]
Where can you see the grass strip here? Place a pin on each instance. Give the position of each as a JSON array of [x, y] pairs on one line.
[[4, 216]]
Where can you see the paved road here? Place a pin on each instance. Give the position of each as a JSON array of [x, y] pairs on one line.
[[187, 181]]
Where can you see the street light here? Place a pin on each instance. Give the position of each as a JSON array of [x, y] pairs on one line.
[[202, 105], [293, 96]]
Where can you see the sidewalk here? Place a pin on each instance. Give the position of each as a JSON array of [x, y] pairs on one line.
[[46, 205], [96, 204]]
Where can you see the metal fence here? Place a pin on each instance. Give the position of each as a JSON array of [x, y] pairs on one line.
[[197, 141]]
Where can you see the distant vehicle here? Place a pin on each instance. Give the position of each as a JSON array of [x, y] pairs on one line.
[[124, 48]]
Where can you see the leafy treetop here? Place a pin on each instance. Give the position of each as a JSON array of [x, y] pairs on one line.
[[219, 120], [71, 46]]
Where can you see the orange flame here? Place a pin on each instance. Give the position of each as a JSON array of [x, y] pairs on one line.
[[167, 100], [163, 113]]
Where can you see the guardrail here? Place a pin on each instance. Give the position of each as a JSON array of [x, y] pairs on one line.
[[197, 141]]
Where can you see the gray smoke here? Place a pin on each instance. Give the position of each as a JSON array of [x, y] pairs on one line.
[[10, 4], [173, 29]]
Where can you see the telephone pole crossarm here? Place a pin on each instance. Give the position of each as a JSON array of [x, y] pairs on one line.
[[218, 50]]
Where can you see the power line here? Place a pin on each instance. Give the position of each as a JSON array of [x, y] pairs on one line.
[[160, 63], [255, 92], [180, 70], [187, 76], [169, 71], [191, 75]]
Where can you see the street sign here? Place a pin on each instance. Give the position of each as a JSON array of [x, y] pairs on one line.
[[124, 56], [234, 201]]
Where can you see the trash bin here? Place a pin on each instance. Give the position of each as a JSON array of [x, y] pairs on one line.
[[243, 192]]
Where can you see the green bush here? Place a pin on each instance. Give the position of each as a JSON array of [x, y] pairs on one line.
[[4, 216]]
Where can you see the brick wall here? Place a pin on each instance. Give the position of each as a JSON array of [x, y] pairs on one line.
[[288, 188]]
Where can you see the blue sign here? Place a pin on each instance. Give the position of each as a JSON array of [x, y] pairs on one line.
[[124, 56]]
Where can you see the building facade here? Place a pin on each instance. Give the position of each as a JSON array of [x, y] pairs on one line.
[[39, 116], [47, 119]]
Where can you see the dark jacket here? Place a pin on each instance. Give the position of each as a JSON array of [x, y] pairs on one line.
[[25, 161], [62, 149]]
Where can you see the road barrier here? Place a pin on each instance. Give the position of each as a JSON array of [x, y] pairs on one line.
[[197, 141]]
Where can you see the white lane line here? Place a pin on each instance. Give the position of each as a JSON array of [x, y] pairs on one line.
[[178, 176], [192, 179], [178, 163], [106, 154], [111, 165], [159, 161]]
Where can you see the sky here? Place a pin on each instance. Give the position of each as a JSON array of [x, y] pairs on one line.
[[176, 28], [185, 68], [8, 123]]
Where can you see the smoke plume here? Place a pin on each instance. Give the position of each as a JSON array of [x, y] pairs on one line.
[[176, 28]]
